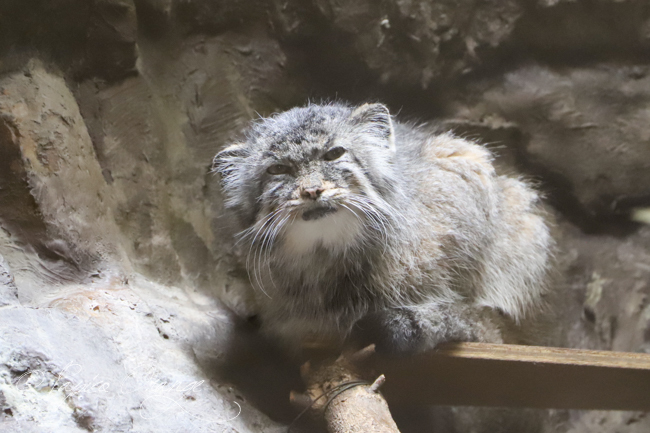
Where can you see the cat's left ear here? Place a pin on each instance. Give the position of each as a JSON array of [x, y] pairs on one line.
[[374, 120], [228, 157]]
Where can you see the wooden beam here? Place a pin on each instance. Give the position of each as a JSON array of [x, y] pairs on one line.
[[477, 374]]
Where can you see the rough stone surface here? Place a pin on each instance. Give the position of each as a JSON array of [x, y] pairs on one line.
[[122, 360], [87, 343], [85, 38], [8, 289], [409, 42], [121, 303], [586, 130]]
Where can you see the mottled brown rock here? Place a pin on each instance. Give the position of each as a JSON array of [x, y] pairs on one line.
[[585, 129], [115, 251]]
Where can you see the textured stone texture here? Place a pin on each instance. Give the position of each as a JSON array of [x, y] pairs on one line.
[[586, 130], [84, 38], [409, 42], [121, 303], [87, 343], [8, 289]]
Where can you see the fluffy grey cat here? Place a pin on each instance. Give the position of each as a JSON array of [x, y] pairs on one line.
[[359, 228]]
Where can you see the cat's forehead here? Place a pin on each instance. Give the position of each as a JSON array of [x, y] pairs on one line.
[[299, 136], [301, 130]]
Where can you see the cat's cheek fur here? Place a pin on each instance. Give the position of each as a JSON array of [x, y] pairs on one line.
[[335, 232]]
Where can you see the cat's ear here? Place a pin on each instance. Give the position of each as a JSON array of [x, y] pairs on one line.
[[224, 160], [374, 120]]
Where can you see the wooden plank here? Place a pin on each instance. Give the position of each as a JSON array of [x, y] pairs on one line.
[[477, 374]]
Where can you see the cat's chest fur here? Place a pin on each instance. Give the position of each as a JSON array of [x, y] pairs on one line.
[[320, 275], [334, 233]]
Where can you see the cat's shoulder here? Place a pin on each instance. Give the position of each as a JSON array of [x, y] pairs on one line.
[[436, 148]]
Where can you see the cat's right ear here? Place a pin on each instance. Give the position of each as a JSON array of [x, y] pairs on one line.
[[375, 121], [225, 159]]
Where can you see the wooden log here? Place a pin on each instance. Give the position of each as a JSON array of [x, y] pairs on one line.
[[347, 404], [478, 374]]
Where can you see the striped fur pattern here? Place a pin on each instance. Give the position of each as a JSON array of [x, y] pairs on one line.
[[347, 214]]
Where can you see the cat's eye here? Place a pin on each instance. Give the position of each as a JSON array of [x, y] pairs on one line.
[[278, 169], [334, 153]]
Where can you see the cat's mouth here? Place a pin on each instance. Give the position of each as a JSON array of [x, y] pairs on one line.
[[318, 212]]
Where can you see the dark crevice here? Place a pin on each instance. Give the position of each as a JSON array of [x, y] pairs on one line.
[[153, 21], [330, 68], [576, 34], [85, 39]]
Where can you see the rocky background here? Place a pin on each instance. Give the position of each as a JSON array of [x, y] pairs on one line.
[[118, 292]]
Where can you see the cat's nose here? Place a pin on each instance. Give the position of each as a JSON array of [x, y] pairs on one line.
[[311, 192]]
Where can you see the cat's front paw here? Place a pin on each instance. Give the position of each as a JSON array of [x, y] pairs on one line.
[[393, 332]]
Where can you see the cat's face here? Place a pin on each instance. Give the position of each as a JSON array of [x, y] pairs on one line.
[[312, 176]]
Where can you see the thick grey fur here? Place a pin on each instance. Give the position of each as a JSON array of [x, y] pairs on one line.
[[440, 247]]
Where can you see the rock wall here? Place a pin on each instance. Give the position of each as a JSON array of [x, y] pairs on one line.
[[118, 289]]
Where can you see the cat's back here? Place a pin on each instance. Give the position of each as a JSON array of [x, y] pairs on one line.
[[464, 210], [450, 181]]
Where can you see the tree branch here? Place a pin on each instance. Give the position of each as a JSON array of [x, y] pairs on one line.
[[336, 392]]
